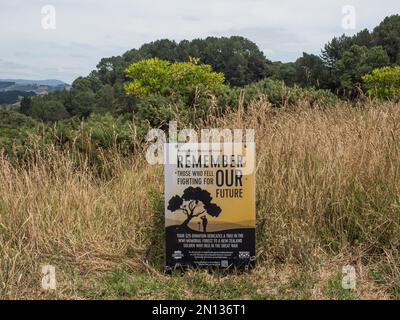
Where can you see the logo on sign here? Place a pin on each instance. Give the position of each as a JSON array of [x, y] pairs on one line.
[[177, 255]]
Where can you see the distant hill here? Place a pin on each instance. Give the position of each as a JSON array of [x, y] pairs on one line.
[[48, 82], [5, 85], [11, 90], [11, 97]]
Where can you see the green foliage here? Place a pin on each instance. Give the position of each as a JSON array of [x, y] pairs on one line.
[[162, 85], [310, 71], [104, 99], [276, 92], [158, 110], [148, 76], [81, 103], [13, 119], [90, 83], [280, 95], [333, 50], [49, 108], [155, 76], [112, 70], [107, 132], [383, 83], [387, 35], [320, 97], [241, 61], [14, 131], [97, 132], [238, 58], [26, 105], [285, 72], [89, 95], [95, 139], [11, 97], [160, 69], [355, 63], [49, 111], [349, 58]]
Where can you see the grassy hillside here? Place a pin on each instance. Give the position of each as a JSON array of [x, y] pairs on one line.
[[327, 196]]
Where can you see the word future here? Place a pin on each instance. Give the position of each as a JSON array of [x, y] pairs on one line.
[[163, 310]]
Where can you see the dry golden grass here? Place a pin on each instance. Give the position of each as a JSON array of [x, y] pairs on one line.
[[328, 194]]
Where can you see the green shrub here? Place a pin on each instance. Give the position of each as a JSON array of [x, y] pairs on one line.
[[274, 91], [96, 139], [157, 110], [156, 76], [280, 95], [315, 96], [15, 129], [97, 132], [384, 83]]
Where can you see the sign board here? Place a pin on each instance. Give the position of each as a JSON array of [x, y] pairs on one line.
[[210, 206]]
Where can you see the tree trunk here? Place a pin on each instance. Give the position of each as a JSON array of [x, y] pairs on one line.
[[189, 217], [186, 222]]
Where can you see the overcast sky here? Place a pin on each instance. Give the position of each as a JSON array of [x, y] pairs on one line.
[[87, 30]]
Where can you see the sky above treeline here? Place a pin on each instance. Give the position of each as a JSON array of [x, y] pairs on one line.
[[88, 30]]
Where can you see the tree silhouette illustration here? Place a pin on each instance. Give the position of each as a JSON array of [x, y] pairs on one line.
[[193, 203]]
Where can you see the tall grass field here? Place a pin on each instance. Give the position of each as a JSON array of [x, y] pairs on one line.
[[328, 196]]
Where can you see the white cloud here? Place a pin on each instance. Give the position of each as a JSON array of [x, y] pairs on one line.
[[89, 30]]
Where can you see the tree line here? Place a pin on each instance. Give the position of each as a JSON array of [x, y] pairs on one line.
[[339, 68], [142, 85]]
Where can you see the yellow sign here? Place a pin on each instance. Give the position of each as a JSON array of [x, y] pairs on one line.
[[210, 206]]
